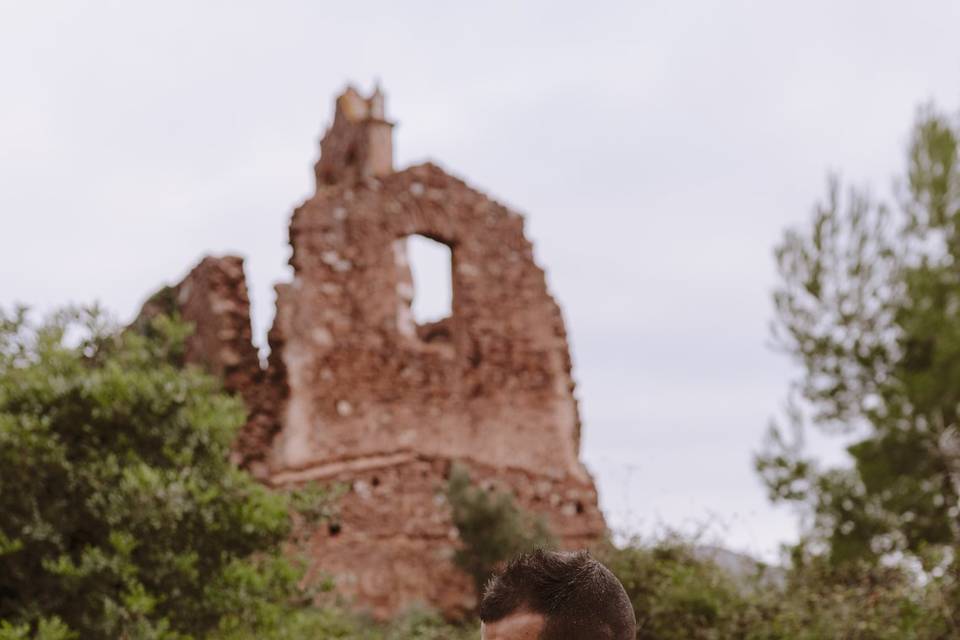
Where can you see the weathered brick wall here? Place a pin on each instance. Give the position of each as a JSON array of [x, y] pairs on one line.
[[497, 390]]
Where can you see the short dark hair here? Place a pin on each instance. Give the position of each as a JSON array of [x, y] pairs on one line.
[[578, 597]]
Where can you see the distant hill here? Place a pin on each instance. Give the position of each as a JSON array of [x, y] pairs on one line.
[[740, 566]]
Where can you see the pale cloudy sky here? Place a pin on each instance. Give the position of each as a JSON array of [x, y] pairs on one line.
[[657, 148]]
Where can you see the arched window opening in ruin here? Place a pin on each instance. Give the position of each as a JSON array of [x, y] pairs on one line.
[[424, 288], [430, 267]]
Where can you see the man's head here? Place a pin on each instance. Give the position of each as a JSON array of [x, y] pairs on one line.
[[552, 596]]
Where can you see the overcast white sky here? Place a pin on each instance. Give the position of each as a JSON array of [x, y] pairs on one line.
[[658, 150]]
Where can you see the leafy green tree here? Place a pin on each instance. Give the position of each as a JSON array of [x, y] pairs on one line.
[[869, 305], [120, 513], [492, 527]]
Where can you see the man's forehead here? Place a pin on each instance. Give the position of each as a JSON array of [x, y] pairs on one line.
[[520, 625]]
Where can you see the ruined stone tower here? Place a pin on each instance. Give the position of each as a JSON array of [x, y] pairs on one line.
[[356, 392]]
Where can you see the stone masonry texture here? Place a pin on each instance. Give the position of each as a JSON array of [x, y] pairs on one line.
[[355, 392]]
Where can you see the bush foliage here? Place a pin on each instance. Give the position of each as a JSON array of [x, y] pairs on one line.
[[679, 594], [122, 516], [336, 623], [491, 526], [868, 304]]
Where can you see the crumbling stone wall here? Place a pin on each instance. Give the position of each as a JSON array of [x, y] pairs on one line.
[[213, 299], [356, 392]]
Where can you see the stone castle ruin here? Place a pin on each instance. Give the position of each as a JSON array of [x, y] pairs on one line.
[[356, 392]]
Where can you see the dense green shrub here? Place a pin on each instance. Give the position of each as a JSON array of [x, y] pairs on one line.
[[335, 623], [857, 601], [492, 527], [120, 514], [679, 593], [676, 595], [46, 629]]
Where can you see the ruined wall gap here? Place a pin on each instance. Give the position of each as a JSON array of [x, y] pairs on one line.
[[431, 267]]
